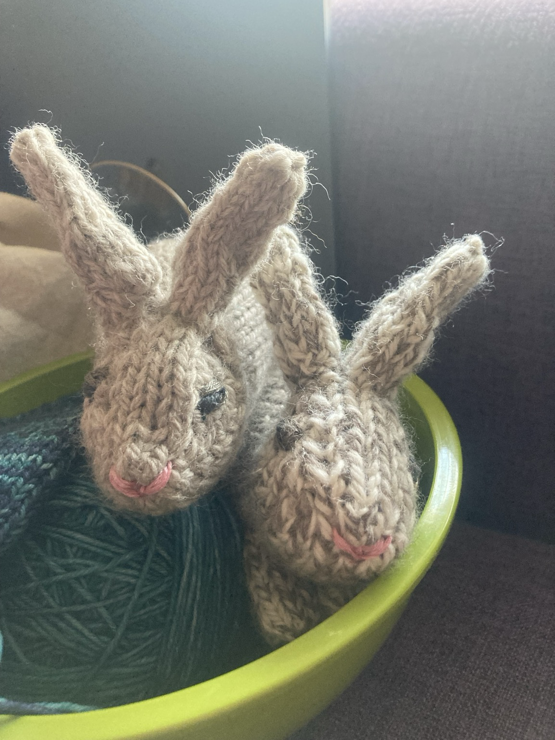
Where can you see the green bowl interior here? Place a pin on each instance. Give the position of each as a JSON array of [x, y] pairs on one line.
[[270, 697]]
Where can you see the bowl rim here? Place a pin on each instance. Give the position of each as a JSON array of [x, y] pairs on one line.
[[220, 695]]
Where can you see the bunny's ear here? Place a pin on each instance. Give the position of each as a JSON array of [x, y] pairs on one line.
[[396, 337], [117, 272], [232, 231], [306, 337]]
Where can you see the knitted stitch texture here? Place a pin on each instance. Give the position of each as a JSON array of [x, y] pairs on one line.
[[183, 352], [35, 449], [190, 383], [332, 499]]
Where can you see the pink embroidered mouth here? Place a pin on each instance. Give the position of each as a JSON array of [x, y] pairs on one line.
[[134, 489], [362, 552]]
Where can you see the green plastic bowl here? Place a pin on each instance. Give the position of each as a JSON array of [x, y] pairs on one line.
[[273, 696]]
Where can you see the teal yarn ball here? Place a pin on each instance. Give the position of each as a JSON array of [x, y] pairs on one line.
[[101, 608]]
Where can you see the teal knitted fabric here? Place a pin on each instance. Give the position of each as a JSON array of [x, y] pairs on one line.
[[36, 448]]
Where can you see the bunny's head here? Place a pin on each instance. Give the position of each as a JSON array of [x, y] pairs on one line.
[[180, 336]]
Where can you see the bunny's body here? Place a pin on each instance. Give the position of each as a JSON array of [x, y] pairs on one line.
[[216, 353]]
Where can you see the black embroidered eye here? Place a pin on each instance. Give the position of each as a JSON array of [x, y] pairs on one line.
[[210, 401], [287, 433], [92, 380]]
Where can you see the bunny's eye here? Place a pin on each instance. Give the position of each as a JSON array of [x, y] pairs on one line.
[[211, 401], [92, 380]]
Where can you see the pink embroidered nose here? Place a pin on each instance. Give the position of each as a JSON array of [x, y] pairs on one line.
[[362, 552], [136, 490]]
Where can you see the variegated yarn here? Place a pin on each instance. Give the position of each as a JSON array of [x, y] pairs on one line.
[[186, 377]]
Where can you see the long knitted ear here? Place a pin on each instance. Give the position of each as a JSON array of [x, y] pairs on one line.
[[306, 339], [397, 335], [231, 232], [117, 272]]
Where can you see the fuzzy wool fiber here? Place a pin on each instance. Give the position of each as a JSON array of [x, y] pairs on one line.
[[217, 358]]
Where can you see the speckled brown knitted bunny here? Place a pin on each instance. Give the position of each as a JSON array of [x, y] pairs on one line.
[[332, 498], [191, 384]]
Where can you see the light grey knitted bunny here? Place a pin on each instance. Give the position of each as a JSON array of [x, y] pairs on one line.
[[216, 356]]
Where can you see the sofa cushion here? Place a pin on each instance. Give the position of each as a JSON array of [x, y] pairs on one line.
[[473, 656]]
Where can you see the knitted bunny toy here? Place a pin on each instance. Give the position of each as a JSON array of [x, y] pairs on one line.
[[216, 357]]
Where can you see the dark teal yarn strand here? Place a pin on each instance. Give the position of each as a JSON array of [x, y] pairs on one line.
[[102, 608]]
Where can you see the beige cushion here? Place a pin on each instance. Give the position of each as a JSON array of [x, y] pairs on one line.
[[24, 223], [43, 315]]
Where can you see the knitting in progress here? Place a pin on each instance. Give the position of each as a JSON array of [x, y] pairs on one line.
[[217, 359]]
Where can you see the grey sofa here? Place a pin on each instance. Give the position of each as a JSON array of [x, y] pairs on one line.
[[443, 123]]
